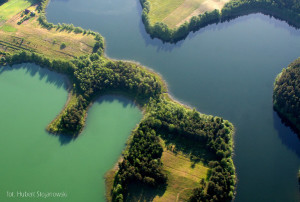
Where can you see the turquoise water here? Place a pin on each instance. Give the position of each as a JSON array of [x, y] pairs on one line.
[[33, 161], [226, 70]]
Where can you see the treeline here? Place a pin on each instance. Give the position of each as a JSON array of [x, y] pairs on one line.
[[285, 10], [142, 160], [65, 27], [286, 95], [58, 65]]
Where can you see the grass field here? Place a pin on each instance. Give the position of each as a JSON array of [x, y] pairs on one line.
[[183, 176], [176, 12], [31, 36], [12, 7], [8, 28], [160, 9]]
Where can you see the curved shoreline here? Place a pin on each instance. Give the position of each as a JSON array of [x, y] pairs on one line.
[[229, 12]]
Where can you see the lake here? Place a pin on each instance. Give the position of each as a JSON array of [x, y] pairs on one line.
[[226, 70], [32, 160]]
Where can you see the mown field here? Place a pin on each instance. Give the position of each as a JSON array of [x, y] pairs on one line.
[[176, 12], [31, 36], [183, 176], [12, 7]]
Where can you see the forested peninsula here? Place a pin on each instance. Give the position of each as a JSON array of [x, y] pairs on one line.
[[286, 96], [167, 128], [161, 28]]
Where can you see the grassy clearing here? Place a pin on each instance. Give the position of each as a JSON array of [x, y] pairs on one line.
[[182, 12], [30, 36], [160, 9], [184, 174], [176, 12], [8, 28], [13, 7]]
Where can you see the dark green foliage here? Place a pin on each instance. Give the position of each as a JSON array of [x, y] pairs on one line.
[[27, 17], [287, 10], [286, 96], [96, 76], [70, 122], [63, 45]]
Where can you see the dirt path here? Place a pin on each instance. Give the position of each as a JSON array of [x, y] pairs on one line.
[[178, 195], [208, 5]]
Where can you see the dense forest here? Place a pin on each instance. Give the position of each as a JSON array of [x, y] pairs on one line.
[[287, 10], [286, 96]]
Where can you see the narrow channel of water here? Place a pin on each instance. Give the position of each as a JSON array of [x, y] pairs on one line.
[[226, 70], [33, 160]]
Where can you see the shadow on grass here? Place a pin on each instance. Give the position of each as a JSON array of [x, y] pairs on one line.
[[195, 149], [141, 192]]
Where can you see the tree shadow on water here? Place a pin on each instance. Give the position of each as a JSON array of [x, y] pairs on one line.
[[286, 134], [66, 139], [114, 97], [50, 77]]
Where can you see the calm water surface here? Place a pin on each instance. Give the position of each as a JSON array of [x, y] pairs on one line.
[[226, 70], [32, 160]]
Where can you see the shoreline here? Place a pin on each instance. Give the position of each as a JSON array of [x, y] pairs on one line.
[[231, 10]]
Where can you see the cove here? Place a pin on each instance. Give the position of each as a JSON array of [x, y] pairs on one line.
[[33, 160], [226, 70]]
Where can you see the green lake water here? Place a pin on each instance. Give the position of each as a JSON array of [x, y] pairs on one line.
[[226, 70], [33, 161]]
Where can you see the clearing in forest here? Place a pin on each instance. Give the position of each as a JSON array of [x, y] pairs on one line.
[[184, 174], [176, 12]]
